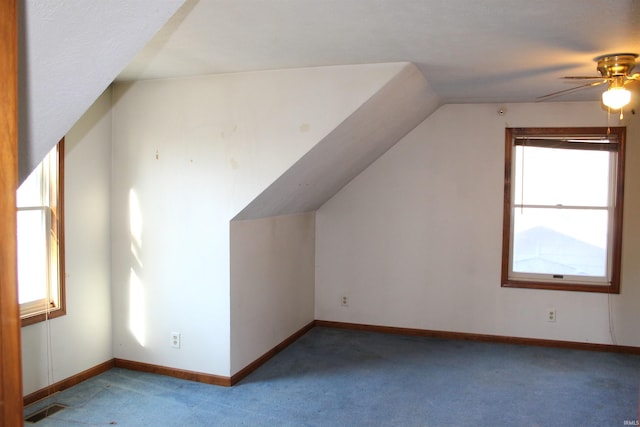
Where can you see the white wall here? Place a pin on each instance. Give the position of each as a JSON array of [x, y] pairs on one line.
[[70, 51], [81, 339], [272, 283], [415, 240], [195, 152]]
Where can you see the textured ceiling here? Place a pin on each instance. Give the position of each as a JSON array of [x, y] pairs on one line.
[[69, 52], [469, 51]]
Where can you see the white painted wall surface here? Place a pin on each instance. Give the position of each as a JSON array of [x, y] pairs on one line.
[[195, 152], [272, 283], [392, 112], [81, 339], [415, 240], [70, 51]]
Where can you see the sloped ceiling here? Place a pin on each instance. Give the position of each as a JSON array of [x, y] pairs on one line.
[[392, 112], [70, 51], [473, 51], [469, 51]]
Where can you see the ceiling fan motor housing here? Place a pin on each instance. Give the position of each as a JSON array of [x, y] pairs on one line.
[[615, 70], [616, 65]]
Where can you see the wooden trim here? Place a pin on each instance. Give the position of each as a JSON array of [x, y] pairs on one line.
[[163, 370], [58, 206], [10, 354], [238, 376], [234, 379], [67, 383], [173, 372], [566, 144], [616, 250], [585, 132], [506, 207], [574, 345], [62, 275], [616, 261], [42, 317], [605, 289], [209, 378]]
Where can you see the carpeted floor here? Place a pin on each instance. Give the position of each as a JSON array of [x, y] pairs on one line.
[[333, 377]]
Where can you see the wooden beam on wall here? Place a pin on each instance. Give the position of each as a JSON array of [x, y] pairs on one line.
[[10, 358]]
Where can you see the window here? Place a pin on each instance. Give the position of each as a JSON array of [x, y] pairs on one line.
[[41, 241], [563, 198]]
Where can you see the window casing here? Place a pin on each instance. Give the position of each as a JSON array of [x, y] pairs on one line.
[[563, 199], [41, 241]]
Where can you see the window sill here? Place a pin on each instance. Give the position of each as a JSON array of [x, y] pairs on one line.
[[575, 287], [41, 317]]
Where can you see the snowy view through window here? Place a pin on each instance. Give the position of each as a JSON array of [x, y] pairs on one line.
[[560, 216]]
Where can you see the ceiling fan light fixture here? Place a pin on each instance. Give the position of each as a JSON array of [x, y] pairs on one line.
[[616, 97]]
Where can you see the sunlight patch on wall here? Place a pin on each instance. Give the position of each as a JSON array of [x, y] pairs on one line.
[[135, 225], [136, 287], [136, 307]]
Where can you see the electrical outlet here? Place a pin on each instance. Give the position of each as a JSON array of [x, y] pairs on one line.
[[551, 315], [344, 301], [175, 339]]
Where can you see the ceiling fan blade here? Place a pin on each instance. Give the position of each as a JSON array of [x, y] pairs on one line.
[[562, 92], [585, 78]]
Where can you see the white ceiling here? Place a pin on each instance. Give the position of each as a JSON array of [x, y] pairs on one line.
[[69, 52], [469, 51]]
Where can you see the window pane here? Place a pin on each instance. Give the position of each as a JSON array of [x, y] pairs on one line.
[[30, 191], [553, 176], [560, 241], [41, 241], [32, 255]]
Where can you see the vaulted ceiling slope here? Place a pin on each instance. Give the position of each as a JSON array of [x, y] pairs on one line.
[[392, 112], [70, 51], [470, 51]]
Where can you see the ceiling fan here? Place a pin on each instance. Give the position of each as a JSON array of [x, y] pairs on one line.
[[615, 70]]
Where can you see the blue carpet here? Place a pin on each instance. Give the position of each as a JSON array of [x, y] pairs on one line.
[[333, 377]]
